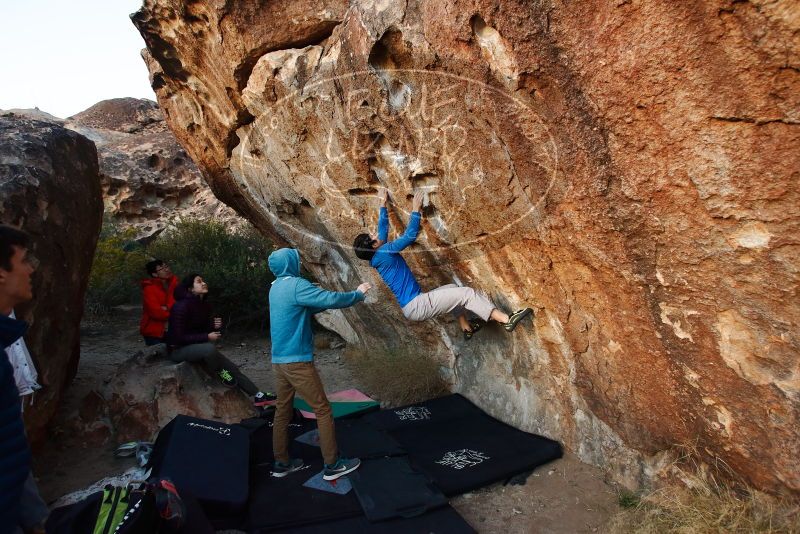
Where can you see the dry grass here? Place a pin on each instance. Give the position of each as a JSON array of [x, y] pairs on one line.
[[397, 377], [699, 502]]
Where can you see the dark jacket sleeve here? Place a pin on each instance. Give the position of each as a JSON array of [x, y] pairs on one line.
[[179, 327], [210, 321], [14, 453]]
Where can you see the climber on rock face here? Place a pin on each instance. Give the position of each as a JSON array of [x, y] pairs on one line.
[[416, 305]]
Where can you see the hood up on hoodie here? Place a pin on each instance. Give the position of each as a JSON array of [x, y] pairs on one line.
[[285, 262], [293, 301]]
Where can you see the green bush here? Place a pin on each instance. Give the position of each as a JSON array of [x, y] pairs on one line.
[[232, 262], [627, 499], [116, 269]]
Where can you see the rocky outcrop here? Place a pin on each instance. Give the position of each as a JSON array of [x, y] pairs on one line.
[[50, 187], [146, 392], [148, 179], [629, 170]]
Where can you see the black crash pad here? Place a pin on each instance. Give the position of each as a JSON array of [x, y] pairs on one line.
[[209, 460], [280, 503], [460, 447], [430, 412], [357, 439], [440, 521], [389, 488]]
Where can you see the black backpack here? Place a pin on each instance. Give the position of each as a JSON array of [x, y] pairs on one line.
[[152, 507]]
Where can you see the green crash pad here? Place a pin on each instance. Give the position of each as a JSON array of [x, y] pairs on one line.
[[343, 403], [340, 409]]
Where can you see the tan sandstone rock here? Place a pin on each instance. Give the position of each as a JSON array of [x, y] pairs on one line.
[[630, 169], [148, 179], [147, 391]]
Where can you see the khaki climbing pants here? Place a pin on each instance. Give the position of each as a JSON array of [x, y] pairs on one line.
[[302, 378], [449, 298]]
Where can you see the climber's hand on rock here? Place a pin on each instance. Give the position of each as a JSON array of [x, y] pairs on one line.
[[383, 196], [363, 288], [416, 204]]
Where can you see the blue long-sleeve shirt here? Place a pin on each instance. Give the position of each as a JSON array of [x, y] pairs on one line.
[[390, 264], [292, 302]]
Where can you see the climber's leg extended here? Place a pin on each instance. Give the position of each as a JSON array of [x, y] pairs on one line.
[[515, 318], [457, 300], [510, 322], [499, 316], [447, 299]]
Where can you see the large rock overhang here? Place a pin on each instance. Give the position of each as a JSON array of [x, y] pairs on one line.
[[628, 171]]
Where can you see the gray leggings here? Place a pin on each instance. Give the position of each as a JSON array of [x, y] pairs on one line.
[[212, 360], [450, 298]]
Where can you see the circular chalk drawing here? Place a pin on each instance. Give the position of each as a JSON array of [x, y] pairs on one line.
[[415, 137]]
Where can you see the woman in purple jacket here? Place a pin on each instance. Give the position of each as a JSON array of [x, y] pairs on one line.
[[192, 333]]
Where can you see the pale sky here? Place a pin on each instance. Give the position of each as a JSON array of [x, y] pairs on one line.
[[63, 56]]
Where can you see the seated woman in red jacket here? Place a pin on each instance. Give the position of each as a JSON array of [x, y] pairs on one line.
[[192, 333], [157, 300]]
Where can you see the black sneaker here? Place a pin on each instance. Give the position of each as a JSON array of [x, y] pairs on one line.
[[226, 378], [516, 317], [340, 468], [280, 469], [264, 399], [474, 325]]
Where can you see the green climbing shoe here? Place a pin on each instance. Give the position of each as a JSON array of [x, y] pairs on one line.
[[516, 317], [474, 326], [226, 378]]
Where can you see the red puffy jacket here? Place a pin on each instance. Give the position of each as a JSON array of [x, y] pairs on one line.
[[155, 298]]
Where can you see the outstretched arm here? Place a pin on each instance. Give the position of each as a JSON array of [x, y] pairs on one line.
[[383, 218], [412, 230], [317, 299]]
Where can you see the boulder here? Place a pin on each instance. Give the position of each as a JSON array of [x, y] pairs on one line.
[[148, 179], [147, 391], [50, 187], [629, 171]]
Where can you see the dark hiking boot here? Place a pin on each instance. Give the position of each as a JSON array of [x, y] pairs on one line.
[[227, 379], [474, 325], [280, 469], [340, 468], [516, 317]]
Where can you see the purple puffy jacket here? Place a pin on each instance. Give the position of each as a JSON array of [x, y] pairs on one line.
[[190, 320]]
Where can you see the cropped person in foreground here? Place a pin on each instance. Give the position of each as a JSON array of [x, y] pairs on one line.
[[21, 507]]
